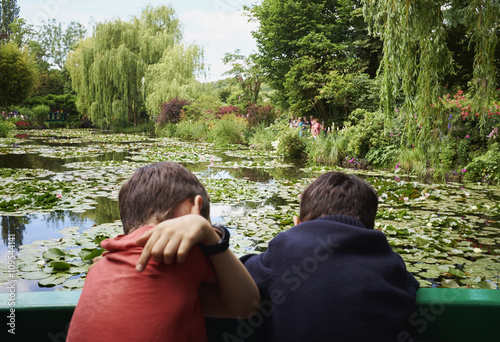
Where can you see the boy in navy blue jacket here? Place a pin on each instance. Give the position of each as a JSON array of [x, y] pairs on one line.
[[331, 277]]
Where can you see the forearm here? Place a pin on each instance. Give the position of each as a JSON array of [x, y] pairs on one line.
[[235, 294]]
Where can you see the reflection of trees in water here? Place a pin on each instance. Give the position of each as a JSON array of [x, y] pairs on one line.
[[30, 161], [15, 225], [106, 210]]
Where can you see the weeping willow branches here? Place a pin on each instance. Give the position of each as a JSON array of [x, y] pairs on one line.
[[126, 66], [417, 58]]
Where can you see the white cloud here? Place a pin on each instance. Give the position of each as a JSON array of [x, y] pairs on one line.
[[218, 32]]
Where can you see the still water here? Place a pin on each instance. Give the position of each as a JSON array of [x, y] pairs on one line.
[[448, 234]]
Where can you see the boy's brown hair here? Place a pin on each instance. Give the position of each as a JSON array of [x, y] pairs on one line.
[[154, 192], [335, 193]]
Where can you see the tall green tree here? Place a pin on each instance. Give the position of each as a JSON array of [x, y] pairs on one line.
[[246, 72], [421, 50], [17, 74], [58, 41], [304, 46], [127, 66], [9, 11]]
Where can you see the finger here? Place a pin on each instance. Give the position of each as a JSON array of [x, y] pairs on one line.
[[166, 254], [145, 255], [141, 241], [184, 248]]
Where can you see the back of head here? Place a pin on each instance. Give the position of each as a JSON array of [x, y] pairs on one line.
[[335, 193], [154, 192]]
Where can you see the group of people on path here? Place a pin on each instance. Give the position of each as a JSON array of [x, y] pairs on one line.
[[306, 125]]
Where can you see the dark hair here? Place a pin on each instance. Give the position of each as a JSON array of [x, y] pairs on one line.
[[335, 193], [154, 192]]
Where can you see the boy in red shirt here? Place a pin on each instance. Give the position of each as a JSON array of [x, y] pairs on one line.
[[168, 300]]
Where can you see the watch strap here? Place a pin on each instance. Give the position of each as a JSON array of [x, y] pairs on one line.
[[221, 245]]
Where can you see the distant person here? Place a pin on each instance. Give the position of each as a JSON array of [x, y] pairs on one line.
[[316, 128], [168, 300], [332, 277]]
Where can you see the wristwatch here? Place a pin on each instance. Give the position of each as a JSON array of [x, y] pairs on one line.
[[221, 245]]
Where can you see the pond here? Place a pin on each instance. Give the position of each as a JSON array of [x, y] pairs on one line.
[[59, 189]]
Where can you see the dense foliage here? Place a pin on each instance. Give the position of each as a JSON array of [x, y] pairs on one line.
[[128, 66]]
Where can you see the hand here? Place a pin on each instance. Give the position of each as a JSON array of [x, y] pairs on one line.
[[172, 239], [94, 261]]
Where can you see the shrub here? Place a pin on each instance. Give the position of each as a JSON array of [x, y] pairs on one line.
[[262, 137], [166, 131], [485, 167], [329, 150], [224, 110], [187, 130], [21, 124], [290, 144], [171, 111], [228, 130], [40, 114], [6, 128], [257, 114]]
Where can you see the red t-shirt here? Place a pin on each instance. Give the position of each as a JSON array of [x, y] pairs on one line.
[[160, 304]]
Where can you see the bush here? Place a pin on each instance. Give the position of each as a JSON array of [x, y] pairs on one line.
[[40, 114], [329, 150], [367, 134], [187, 130], [224, 110], [6, 128], [166, 131], [290, 144], [171, 111], [21, 124], [228, 130], [485, 167], [262, 137], [257, 114]]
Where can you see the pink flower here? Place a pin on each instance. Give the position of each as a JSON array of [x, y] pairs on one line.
[[58, 196], [467, 136]]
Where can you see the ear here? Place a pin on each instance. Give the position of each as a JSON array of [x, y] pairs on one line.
[[296, 220], [196, 208]]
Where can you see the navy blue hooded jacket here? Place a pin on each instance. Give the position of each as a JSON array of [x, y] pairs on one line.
[[333, 279]]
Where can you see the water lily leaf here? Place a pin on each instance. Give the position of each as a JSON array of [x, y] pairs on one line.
[[456, 273], [61, 265], [449, 283], [87, 255], [443, 268], [488, 285], [34, 275], [53, 254], [74, 283], [51, 281]]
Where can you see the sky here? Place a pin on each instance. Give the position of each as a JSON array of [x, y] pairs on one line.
[[217, 25]]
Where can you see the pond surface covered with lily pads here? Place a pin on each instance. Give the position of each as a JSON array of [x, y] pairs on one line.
[[59, 190]]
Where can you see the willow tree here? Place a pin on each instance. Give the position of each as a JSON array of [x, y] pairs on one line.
[[112, 71], [417, 58]]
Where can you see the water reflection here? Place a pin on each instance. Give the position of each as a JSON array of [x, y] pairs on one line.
[[31, 161], [34, 227], [14, 226]]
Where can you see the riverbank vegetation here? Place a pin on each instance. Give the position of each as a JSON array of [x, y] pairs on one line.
[[418, 96]]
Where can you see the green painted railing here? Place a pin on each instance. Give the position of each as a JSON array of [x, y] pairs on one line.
[[441, 315]]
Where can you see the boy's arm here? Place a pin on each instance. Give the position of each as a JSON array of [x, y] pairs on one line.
[[234, 295]]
